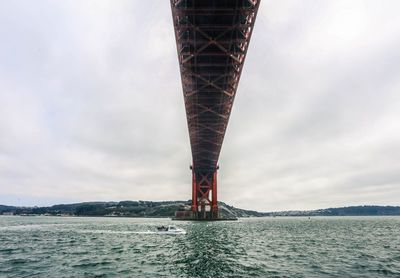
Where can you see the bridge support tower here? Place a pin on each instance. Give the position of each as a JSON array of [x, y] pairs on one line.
[[212, 39], [204, 195]]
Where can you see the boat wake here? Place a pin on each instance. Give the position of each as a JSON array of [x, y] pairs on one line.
[[161, 233], [168, 230]]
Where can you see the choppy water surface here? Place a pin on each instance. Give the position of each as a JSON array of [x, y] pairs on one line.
[[263, 247]]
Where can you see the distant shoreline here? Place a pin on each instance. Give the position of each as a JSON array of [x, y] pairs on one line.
[[167, 209], [167, 217]]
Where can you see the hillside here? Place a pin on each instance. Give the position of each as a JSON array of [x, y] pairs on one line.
[[344, 211], [122, 209], [168, 208]]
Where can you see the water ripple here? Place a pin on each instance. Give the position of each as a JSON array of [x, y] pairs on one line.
[[270, 247]]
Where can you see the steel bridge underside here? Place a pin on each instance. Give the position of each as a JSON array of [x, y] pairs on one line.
[[212, 38]]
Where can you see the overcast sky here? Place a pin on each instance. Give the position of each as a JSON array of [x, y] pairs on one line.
[[91, 105]]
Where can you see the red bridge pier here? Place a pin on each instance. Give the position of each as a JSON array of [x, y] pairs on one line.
[[204, 195]]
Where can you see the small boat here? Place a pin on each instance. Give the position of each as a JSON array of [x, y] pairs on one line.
[[170, 230]]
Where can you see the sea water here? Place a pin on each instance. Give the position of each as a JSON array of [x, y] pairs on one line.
[[36, 246]]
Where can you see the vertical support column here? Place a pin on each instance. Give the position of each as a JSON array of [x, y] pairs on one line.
[[194, 192], [214, 201], [214, 204]]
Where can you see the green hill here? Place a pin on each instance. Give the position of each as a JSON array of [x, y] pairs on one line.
[[168, 208]]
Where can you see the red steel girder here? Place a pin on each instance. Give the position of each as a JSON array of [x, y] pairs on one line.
[[212, 38]]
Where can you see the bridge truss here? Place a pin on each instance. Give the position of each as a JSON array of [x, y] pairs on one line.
[[212, 38]]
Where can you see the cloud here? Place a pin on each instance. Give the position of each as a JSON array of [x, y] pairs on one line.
[[91, 106]]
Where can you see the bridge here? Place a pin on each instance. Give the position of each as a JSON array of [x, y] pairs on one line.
[[212, 38]]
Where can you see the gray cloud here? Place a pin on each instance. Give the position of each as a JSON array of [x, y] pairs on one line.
[[91, 106]]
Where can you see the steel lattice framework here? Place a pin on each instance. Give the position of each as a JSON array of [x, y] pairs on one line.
[[212, 38]]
